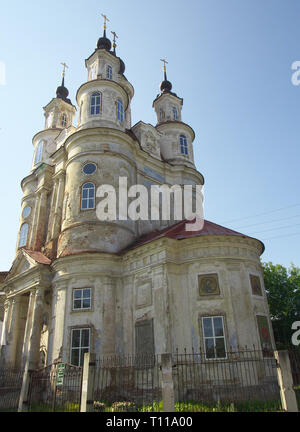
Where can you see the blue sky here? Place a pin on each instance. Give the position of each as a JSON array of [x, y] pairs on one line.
[[229, 59]]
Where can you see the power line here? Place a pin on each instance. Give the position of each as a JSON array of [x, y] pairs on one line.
[[262, 214], [270, 221], [273, 229], [286, 235]]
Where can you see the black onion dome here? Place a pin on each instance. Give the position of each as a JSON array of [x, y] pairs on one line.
[[104, 42], [165, 86], [62, 92], [122, 66]]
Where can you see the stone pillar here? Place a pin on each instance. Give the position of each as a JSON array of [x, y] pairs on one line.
[[88, 377], [285, 380], [31, 348], [12, 335], [4, 335], [58, 323], [108, 317], [167, 383], [161, 306]]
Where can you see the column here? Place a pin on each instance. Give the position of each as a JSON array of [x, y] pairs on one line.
[[58, 321], [3, 341], [12, 335], [33, 328]]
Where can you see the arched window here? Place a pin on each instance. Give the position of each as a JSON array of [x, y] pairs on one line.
[[109, 72], [183, 145], [175, 113], [23, 235], [88, 196], [161, 114], [95, 103], [120, 110], [39, 153], [64, 120]]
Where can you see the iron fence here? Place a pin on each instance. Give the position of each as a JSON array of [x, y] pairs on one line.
[[240, 381], [52, 390], [127, 383], [10, 389]]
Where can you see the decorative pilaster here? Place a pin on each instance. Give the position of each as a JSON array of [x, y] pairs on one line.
[[58, 208], [108, 317]]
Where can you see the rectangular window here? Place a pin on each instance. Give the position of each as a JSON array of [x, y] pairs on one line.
[[81, 298], [264, 335], [255, 285], [80, 344], [214, 337]]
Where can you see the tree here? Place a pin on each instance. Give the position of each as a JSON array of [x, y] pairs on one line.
[[283, 292]]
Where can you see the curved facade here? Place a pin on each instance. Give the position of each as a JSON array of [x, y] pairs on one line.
[[122, 285]]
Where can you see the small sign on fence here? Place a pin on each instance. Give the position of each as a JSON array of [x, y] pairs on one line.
[[60, 374]]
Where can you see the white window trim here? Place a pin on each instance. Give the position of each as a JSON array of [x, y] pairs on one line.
[[80, 347], [23, 235], [120, 110], [81, 299], [214, 337], [96, 105], [183, 145], [109, 72], [88, 198], [39, 153]]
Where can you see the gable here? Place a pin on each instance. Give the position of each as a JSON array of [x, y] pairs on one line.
[[25, 261]]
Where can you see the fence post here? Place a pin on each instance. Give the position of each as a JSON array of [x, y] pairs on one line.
[[24, 394], [167, 383], [285, 380], [87, 389]]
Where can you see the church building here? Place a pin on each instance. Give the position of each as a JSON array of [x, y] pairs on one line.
[[79, 284]]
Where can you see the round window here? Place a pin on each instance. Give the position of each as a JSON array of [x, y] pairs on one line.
[[89, 168], [26, 211]]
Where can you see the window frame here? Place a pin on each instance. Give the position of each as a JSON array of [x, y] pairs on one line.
[[214, 337], [109, 72], [64, 120], [89, 163], [175, 113], [38, 156], [80, 348], [183, 145], [21, 235], [28, 208], [261, 295], [81, 299], [88, 198], [96, 105], [120, 110]]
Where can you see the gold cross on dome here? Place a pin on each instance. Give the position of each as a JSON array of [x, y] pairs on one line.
[[105, 19], [115, 36], [64, 68], [164, 62]]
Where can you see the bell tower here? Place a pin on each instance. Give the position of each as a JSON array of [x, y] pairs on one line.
[[59, 114], [177, 137], [104, 100]]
